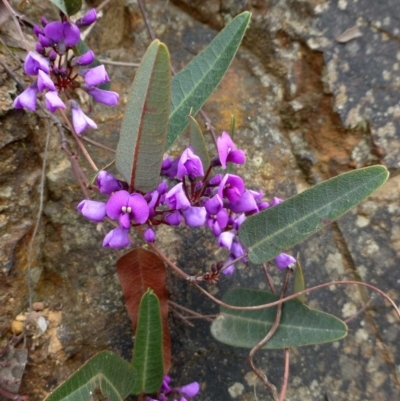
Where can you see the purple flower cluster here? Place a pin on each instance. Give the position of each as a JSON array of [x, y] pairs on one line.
[[59, 72], [189, 390], [219, 202]]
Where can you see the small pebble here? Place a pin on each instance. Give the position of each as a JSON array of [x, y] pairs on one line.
[[38, 306], [21, 318], [17, 327]]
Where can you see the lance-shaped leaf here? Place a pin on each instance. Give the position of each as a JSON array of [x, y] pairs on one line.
[[192, 86], [299, 282], [138, 270], [299, 325], [144, 127], [106, 373], [68, 7], [198, 143], [273, 230], [147, 353]]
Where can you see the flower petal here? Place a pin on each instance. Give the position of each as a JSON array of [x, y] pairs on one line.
[[140, 208], [53, 101], [195, 216], [284, 260], [115, 204], [92, 210], [117, 238], [96, 76], [109, 98], [190, 390]]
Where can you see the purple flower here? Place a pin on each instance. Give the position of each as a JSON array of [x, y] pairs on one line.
[[45, 41], [80, 120], [126, 207], [117, 238], [150, 235], [245, 204], [162, 188], [173, 219], [45, 82], [165, 385], [215, 181], [37, 30], [107, 183], [88, 18], [35, 62], [190, 390], [284, 260], [194, 216], [53, 101], [227, 151], [85, 59], [27, 98], [213, 205], [92, 210], [176, 197], [190, 164], [231, 188], [237, 249], [276, 201], [225, 239], [231, 269], [238, 221], [63, 33], [169, 167], [96, 76], [108, 98]]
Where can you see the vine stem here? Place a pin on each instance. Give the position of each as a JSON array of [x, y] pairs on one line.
[[78, 140], [285, 375], [308, 290], [262, 376]]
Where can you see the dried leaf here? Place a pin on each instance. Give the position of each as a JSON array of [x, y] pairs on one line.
[[138, 270]]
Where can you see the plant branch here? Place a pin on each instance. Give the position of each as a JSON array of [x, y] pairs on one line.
[[285, 375], [262, 376], [308, 290]]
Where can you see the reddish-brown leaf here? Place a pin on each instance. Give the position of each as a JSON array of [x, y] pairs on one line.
[[138, 270]]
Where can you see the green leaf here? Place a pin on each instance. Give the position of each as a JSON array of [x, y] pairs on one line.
[[198, 143], [299, 282], [148, 353], [299, 324], [144, 127], [106, 371], [192, 86], [273, 230], [82, 48], [68, 7]]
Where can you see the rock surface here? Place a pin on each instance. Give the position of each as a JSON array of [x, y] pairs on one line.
[[307, 108]]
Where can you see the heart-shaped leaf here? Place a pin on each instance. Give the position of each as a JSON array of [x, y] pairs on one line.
[[192, 86], [138, 270], [144, 127], [299, 325], [270, 232], [106, 373], [147, 353]]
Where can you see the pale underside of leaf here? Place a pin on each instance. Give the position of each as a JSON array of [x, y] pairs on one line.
[[276, 229], [145, 123]]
